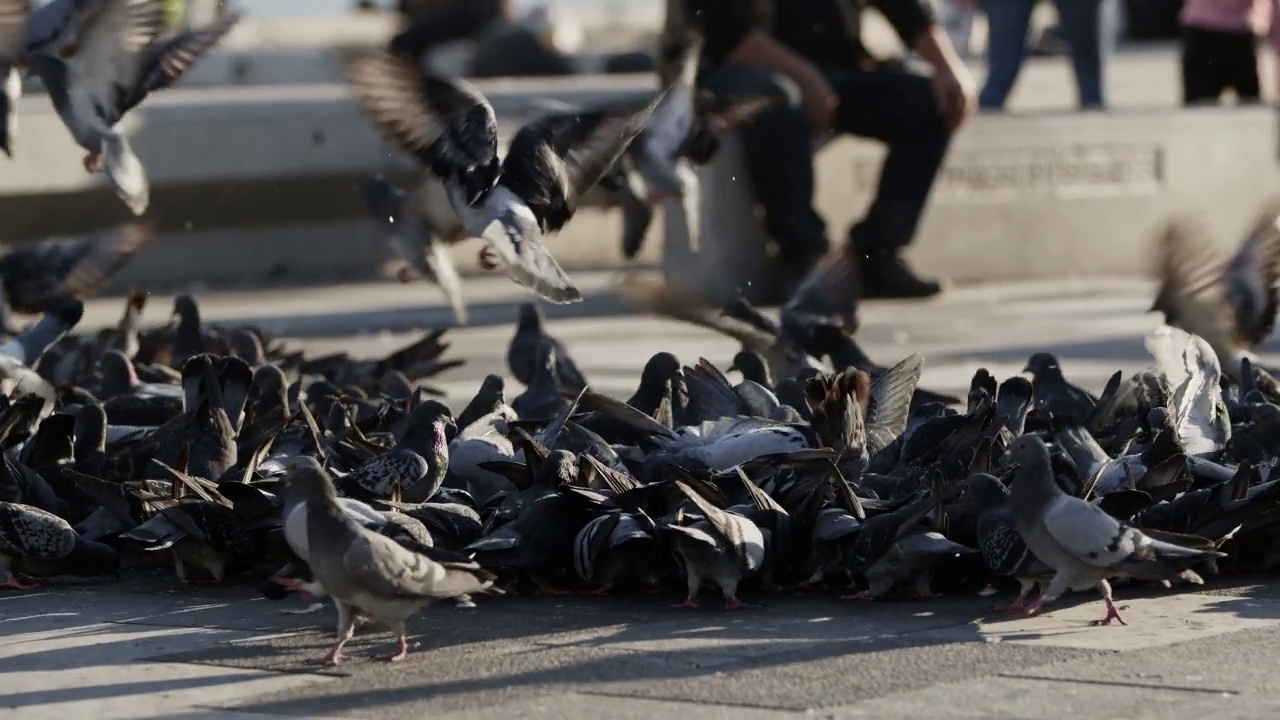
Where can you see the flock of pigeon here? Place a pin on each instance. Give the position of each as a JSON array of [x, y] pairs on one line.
[[220, 450]]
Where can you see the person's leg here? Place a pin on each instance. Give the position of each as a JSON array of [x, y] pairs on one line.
[[1007, 22], [1081, 22], [1201, 79], [446, 22], [898, 108], [1240, 63], [778, 149]]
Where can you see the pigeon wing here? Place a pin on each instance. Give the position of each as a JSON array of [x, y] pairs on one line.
[[1088, 533], [431, 117]]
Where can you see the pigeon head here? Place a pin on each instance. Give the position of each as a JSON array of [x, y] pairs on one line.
[[1015, 387], [246, 345], [137, 299], [427, 427], [661, 367], [118, 375], [1043, 365], [529, 318], [67, 312], [1027, 449], [985, 490], [478, 180], [494, 387], [186, 310], [91, 427], [270, 387], [306, 478], [752, 367], [702, 144]]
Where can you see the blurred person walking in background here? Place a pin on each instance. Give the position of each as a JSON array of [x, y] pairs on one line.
[[809, 54], [1219, 47], [1008, 21]]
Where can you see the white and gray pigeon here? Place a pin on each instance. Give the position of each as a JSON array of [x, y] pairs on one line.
[[1082, 543], [98, 59], [368, 574], [511, 203], [412, 239]]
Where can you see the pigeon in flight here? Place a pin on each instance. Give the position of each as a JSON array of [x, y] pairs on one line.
[[99, 59], [512, 203], [1231, 303]]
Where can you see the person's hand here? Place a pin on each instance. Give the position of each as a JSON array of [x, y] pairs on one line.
[[955, 93], [820, 103]]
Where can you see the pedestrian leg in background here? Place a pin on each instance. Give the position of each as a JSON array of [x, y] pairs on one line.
[[1007, 25], [446, 22], [898, 108], [1215, 60], [778, 149], [956, 17], [1081, 22]]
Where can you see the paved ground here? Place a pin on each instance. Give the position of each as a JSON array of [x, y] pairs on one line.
[[147, 648]]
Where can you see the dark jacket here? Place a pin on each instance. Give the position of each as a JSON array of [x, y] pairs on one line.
[[827, 32]]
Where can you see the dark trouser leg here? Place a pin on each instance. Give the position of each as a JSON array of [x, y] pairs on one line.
[[1081, 22], [1238, 62], [899, 109], [1202, 77], [1007, 22], [778, 149], [455, 20]]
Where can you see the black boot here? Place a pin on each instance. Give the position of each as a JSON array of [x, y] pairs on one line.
[[885, 275]]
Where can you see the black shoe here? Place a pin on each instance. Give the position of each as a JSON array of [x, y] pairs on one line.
[[886, 276]]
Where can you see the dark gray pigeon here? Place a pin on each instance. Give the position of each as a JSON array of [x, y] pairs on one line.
[[41, 543], [1081, 542], [370, 574], [1055, 396]]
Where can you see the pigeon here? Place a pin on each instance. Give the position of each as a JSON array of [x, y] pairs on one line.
[[42, 543], [33, 276], [522, 351], [1054, 395], [1081, 542], [722, 547], [512, 203], [1239, 294], [413, 241], [99, 60], [370, 574], [1232, 305]]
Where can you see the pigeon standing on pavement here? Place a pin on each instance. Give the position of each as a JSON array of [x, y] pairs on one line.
[[368, 574], [512, 203], [99, 60], [1054, 395], [1081, 542]]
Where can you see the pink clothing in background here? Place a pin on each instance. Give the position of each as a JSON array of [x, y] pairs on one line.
[[1260, 17]]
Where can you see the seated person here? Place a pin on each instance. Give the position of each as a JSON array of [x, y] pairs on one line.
[[808, 53]]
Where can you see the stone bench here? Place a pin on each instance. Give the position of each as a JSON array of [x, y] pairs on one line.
[[1021, 196]]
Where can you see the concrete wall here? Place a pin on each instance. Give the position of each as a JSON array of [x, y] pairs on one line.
[[256, 184], [1032, 196]]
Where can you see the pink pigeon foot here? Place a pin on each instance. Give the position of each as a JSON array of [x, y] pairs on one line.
[[17, 584], [1113, 613]]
